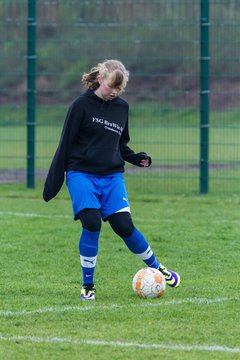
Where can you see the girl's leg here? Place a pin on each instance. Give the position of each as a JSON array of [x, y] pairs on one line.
[[122, 225], [88, 243]]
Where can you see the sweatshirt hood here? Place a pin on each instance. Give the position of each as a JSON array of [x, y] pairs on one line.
[[91, 94]]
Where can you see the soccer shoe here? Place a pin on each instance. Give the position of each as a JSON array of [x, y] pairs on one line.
[[87, 292], [172, 278]]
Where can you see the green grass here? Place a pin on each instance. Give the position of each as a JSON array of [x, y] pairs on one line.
[[40, 270]]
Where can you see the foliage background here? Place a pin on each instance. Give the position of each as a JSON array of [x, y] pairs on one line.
[[159, 43]]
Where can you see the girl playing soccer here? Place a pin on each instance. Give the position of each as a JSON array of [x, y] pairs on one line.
[[92, 151]]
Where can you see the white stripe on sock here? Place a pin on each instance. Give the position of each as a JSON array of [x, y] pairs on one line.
[[87, 261], [146, 254]]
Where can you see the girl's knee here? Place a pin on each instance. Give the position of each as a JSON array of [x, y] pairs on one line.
[[122, 224], [91, 219]]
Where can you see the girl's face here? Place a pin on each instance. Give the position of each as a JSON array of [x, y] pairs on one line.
[[106, 92]]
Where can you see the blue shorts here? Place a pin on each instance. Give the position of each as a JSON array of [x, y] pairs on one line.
[[104, 192]]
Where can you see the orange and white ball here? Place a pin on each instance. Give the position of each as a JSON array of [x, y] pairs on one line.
[[149, 283]]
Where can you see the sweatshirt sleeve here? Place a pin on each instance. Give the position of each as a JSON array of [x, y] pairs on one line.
[[55, 176], [128, 154]]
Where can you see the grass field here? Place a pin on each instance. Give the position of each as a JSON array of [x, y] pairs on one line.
[[42, 317]]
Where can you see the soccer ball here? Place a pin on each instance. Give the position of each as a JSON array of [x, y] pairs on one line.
[[149, 283]]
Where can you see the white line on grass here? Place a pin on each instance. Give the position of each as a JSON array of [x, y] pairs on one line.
[[60, 216], [121, 344], [34, 215], [83, 308]]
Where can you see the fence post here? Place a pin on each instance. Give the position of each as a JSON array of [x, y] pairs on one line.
[[204, 95], [31, 78]]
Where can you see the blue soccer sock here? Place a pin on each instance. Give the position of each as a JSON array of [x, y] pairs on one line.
[[88, 249], [139, 246]]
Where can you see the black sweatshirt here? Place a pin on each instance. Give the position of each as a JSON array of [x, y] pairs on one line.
[[94, 140]]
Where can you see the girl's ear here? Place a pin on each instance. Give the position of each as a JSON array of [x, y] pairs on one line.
[[100, 79]]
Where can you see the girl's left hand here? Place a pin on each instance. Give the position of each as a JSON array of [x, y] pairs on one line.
[[145, 162]]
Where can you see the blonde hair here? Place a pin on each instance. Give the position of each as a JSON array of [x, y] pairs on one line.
[[112, 70]]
